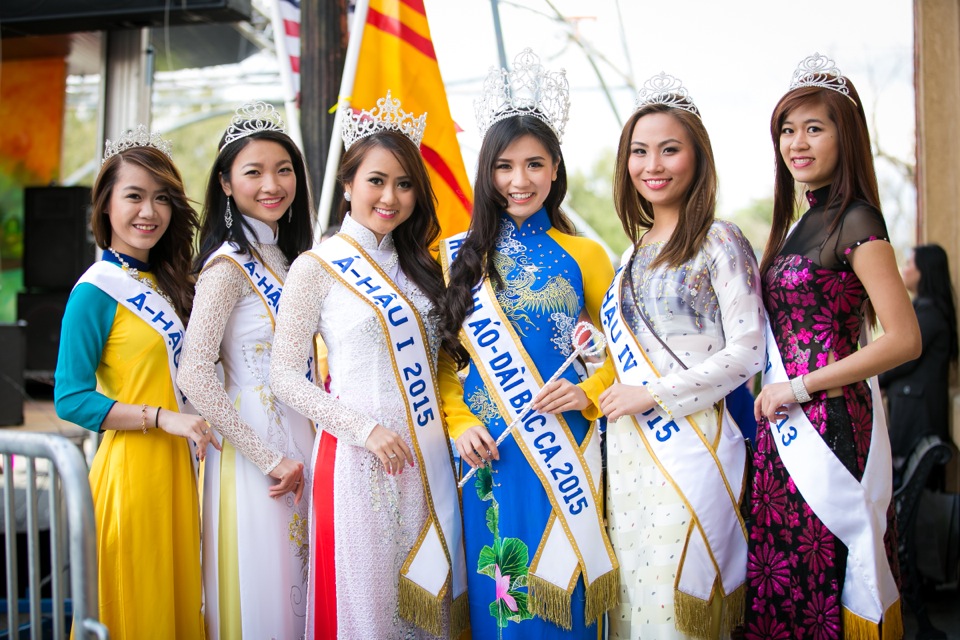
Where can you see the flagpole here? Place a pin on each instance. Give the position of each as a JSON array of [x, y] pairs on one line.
[[286, 76], [346, 88]]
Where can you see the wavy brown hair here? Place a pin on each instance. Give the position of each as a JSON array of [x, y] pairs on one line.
[[697, 208], [854, 178], [171, 257]]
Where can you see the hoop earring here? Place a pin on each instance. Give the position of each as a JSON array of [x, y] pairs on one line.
[[228, 215]]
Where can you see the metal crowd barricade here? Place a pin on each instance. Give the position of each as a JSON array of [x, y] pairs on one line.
[[68, 492]]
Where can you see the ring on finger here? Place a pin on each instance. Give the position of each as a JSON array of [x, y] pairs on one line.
[[392, 456]]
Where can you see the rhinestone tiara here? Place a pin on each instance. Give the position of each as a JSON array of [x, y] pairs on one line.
[[526, 90], [386, 115], [666, 90], [819, 71], [139, 137], [250, 118]]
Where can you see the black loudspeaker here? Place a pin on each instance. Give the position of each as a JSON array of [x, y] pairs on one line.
[[57, 242], [43, 17], [43, 313], [11, 373]]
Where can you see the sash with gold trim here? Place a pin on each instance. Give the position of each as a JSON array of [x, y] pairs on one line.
[[267, 285], [575, 540], [437, 562], [149, 306], [709, 476], [855, 512]]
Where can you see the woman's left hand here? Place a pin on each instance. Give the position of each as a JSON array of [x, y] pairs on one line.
[[561, 395], [625, 400], [772, 401], [289, 476]]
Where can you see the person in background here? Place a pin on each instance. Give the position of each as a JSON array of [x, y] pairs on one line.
[[918, 391], [385, 531], [822, 560], [116, 373], [257, 219]]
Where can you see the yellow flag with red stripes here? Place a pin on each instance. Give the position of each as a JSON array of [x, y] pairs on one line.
[[396, 53]]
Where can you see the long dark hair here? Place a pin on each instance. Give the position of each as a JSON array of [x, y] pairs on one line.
[[415, 235], [698, 205], [294, 232], [170, 258], [931, 261], [855, 178], [475, 257]]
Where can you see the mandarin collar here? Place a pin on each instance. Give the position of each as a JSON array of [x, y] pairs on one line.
[[818, 197], [364, 237], [537, 223], [261, 230], [131, 261]]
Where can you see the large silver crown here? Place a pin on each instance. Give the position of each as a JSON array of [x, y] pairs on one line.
[[139, 137], [666, 90], [387, 115], [250, 118], [527, 90], [819, 71]]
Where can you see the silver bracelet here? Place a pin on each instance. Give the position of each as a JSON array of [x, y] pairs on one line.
[[800, 390]]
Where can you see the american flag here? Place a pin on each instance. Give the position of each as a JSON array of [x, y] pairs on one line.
[[287, 40]]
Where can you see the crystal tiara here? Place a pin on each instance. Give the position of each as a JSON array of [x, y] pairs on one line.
[[386, 115], [666, 90], [250, 118], [526, 90], [139, 137], [819, 71]]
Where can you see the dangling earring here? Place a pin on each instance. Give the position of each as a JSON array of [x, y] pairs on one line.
[[228, 215], [346, 196], [290, 214]]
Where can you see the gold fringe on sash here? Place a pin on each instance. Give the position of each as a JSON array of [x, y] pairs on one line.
[[549, 601], [734, 608], [459, 615], [890, 627], [603, 594], [419, 606], [705, 618]]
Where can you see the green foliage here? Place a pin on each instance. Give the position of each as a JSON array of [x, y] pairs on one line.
[[590, 194]]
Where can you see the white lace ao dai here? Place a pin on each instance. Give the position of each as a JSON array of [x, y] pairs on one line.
[[377, 517], [255, 551]]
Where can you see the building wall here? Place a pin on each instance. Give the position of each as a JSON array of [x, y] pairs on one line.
[[937, 73]]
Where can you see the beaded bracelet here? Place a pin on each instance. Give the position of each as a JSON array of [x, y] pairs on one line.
[[143, 418], [800, 390]]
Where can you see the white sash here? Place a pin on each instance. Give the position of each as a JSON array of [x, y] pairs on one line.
[[707, 475], [263, 281], [580, 541], [437, 562], [147, 305], [855, 512]]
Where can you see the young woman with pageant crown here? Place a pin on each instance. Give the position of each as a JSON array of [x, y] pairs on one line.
[[822, 545], [116, 373], [684, 321], [539, 562], [387, 559], [257, 219]]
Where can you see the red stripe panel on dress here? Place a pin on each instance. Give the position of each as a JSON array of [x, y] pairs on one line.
[[325, 598]]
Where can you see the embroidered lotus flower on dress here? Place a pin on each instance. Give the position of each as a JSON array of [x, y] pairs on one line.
[[503, 591]]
